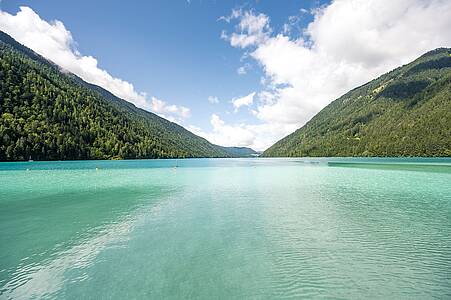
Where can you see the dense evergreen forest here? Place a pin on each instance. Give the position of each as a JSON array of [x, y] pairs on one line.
[[406, 112], [46, 114]]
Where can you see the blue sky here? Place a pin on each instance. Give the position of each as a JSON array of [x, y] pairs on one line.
[[183, 52]]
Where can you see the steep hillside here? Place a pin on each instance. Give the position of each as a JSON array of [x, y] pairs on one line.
[[406, 112], [46, 114]]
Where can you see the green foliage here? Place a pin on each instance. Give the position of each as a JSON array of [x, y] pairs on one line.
[[49, 115], [406, 112]]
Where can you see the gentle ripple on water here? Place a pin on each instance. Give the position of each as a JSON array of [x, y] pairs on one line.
[[226, 229]]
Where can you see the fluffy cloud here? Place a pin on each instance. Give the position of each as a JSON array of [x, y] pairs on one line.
[[243, 101], [53, 41], [236, 135], [252, 28], [173, 113], [213, 99], [241, 134], [348, 43]]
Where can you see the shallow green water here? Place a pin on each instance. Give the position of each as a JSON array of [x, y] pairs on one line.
[[226, 228]]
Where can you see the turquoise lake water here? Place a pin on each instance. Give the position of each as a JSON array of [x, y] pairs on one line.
[[226, 229]]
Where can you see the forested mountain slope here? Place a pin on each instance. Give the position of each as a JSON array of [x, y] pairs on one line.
[[406, 112], [46, 114]]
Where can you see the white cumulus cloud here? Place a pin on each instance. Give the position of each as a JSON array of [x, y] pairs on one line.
[[226, 135], [251, 29], [162, 108], [53, 41], [256, 136], [243, 101], [348, 43]]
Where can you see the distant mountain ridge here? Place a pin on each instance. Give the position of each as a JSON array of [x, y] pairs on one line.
[[405, 112], [241, 151], [46, 114]]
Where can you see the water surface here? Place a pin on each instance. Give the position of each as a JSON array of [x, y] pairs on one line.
[[226, 228]]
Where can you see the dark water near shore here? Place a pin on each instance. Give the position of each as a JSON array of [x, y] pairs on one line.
[[226, 228]]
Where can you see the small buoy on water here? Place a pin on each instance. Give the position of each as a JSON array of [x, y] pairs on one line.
[[97, 169]]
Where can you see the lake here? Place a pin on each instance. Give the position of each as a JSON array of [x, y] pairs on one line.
[[226, 229]]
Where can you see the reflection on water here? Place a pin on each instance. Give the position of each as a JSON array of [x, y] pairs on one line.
[[46, 278], [230, 228], [419, 167]]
